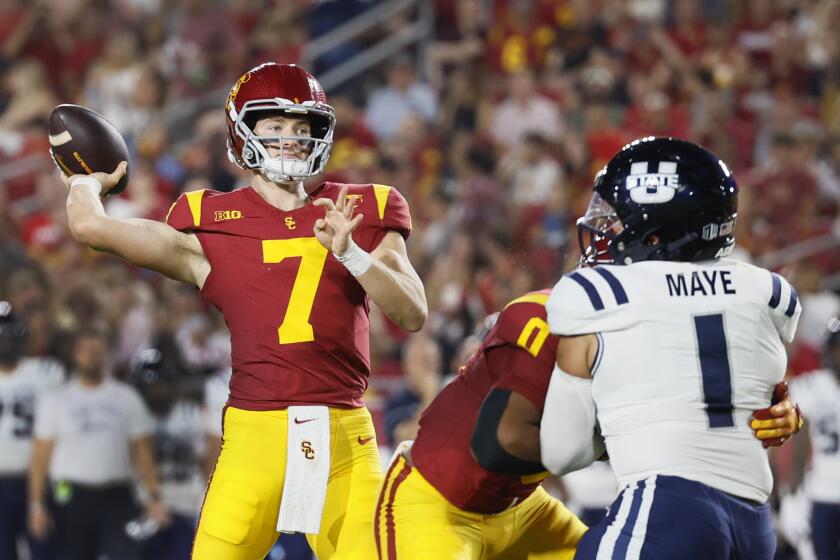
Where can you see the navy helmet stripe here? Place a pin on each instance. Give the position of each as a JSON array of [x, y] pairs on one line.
[[777, 291], [623, 541], [615, 285], [794, 297], [597, 303]]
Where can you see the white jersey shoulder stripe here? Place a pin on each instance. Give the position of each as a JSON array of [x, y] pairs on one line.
[[589, 278], [776, 297]]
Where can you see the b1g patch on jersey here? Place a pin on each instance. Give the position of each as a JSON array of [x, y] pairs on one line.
[[646, 187], [224, 215]]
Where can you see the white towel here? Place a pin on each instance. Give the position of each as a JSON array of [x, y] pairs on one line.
[[307, 470]]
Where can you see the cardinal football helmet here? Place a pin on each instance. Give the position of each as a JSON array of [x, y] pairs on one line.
[[267, 89], [660, 199]]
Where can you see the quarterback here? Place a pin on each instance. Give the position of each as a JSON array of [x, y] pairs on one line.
[[293, 274]]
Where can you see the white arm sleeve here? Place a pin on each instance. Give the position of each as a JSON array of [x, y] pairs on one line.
[[569, 436]]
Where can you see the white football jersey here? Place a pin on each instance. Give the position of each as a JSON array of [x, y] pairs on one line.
[[216, 393], [818, 395], [179, 445], [687, 352], [19, 394]]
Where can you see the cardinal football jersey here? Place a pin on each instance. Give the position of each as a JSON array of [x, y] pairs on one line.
[[517, 354], [818, 395], [298, 319], [687, 352], [19, 394]]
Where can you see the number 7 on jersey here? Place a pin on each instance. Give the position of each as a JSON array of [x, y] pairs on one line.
[[296, 326]]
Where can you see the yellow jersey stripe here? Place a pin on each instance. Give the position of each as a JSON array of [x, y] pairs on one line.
[[194, 200], [542, 299], [381, 192]]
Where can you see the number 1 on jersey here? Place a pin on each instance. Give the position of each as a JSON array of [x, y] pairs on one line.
[[714, 368], [296, 326]]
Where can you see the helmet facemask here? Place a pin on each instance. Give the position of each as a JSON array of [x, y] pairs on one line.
[[282, 169], [604, 238], [597, 231]]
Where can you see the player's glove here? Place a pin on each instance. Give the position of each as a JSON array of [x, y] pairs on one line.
[[775, 424]]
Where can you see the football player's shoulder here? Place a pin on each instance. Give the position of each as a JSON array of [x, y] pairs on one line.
[[777, 295], [517, 314], [586, 295], [759, 279], [523, 323], [382, 205], [191, 209]]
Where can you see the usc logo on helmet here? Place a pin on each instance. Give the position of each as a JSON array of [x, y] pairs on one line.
[[234, 91]]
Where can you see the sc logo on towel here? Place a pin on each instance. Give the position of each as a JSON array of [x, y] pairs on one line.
[[306, 449]]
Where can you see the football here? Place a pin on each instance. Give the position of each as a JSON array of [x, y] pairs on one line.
[[83, 142]]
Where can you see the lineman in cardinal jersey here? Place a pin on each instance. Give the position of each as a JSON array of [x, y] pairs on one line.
[[293, 273], [22, 382], [818, 393], [674, 346], [464, 492]]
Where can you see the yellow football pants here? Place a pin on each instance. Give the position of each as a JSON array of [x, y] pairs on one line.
[[415, 522], [239, 517]]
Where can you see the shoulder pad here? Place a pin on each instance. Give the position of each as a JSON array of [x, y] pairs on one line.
[[784, 304], [588, 300], [186, 213], [523, 322], [392, 209]]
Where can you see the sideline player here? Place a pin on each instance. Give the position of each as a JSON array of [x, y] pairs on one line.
[[818, 393], [469, 485], [675, 347], [23, 381], [293, 274]]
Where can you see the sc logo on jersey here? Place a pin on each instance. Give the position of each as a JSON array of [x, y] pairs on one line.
[[652, 188], [307, 450]]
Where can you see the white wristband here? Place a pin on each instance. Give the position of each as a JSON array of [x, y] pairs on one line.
[[95, 185], [355, 259]]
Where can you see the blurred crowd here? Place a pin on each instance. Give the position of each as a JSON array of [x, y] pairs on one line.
[[493, 129]]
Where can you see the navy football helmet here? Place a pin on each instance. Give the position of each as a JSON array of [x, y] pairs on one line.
[[157, 380], [12, 335], [660, 199]]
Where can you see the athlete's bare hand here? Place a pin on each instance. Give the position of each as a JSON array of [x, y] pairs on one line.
[[335, 228], [107, 180]]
